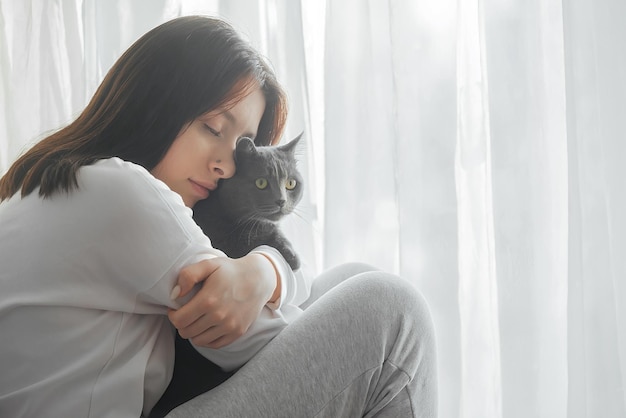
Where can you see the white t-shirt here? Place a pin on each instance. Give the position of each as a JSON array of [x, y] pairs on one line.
[[85, 280]]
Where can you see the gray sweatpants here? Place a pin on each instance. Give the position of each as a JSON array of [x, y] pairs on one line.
[[364, 347]]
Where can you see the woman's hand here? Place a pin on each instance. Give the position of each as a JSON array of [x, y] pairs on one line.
[[230, 300]]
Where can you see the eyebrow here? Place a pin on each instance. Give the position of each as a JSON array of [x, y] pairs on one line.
[[231, 118], [228, 115]]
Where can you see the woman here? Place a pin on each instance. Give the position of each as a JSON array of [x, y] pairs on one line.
[[100, 257]]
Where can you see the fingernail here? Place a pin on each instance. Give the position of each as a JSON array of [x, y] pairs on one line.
[[175, 292]]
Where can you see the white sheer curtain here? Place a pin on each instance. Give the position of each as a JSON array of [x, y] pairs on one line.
[[473, 147]]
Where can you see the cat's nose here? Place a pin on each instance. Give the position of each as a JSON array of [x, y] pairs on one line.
[[280, 202]]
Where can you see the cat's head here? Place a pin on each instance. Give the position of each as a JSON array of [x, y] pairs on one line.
[[266, 184]]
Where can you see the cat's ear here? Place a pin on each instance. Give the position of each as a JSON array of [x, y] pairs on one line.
[[291, 145], [245, 146]]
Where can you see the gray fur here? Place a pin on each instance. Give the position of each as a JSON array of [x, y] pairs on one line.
[[239, 216]]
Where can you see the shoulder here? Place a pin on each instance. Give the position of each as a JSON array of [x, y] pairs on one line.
[[116, 189], [129, 185], [115, 177]]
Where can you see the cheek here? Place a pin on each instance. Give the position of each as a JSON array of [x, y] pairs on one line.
[[166, 166], [181, 152], [159, 170], [170, 167]]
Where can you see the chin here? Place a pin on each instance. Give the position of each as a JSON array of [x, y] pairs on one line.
[[275, 217]]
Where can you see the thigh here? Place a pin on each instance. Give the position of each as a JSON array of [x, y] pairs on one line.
[[332, 277], [345, 343]]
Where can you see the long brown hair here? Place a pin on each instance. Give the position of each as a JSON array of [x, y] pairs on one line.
[[166, 79]]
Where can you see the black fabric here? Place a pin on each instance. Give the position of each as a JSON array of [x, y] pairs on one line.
[[193, 375]]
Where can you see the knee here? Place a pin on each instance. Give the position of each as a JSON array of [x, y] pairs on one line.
[[350, 269], [333, 277], [394, 312], [393, 300], [380, 287]]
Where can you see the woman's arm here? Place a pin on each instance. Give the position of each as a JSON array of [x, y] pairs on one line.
[[233, 293], [281, 309]]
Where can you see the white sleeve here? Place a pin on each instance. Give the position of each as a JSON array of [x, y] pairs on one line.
[[295, 286]]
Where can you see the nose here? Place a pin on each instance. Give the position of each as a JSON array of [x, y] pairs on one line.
[[224, 168], [280, 202]]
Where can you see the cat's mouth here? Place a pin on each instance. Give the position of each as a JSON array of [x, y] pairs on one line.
[[278, 214]]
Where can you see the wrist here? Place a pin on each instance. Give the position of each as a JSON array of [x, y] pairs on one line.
[[267, 265]]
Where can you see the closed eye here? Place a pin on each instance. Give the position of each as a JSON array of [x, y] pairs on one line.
[[213, 131]]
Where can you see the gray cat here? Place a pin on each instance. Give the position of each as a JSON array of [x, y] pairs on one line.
[[244, 210]]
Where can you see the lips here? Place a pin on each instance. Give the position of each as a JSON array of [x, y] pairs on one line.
[[202, 189]]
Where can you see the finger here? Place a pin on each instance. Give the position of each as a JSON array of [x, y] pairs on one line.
[[192, 274], [214, 336], [222, 341], [202, 305], [228, 332], [199, 326], [208, 337], [183, 318]]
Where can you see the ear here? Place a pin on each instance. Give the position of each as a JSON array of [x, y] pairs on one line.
[[245, 146], [291, 145]]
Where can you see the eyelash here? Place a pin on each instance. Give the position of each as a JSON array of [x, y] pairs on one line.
[[219, 134], [213, 131]]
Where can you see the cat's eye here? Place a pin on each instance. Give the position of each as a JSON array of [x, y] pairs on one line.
[[290, 184], [261, 183]]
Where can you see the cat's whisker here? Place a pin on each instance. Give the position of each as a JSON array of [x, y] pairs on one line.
[[301, 216], [255, 231], [252, 225]]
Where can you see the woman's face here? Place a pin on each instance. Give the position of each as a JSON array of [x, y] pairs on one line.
[[203, 152]]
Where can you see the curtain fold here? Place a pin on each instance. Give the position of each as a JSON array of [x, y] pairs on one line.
[[41, 44], [481, 380], [595, 61], [525, 65], [474, 148], [360, 136]]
